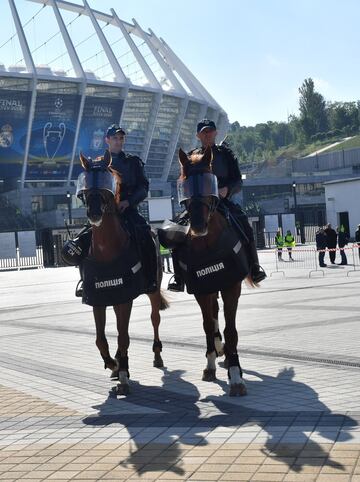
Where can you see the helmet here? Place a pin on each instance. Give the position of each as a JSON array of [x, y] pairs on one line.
[[72, 252]]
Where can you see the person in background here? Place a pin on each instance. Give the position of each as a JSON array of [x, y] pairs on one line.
[[342, 242], [289, 242], [321, 246], [331, 238], [165, 257], [357, 238], [279, 242]]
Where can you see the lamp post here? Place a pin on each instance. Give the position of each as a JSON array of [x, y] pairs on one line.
[[68, 198], [295, 200], [299, 227]]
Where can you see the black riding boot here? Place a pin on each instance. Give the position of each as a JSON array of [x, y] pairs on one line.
[[256, 271], [176, 282], [149, 262]]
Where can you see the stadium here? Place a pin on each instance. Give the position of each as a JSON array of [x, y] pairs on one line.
[[62, 91]]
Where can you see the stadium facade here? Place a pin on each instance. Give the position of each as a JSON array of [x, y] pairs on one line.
[[48, 115]]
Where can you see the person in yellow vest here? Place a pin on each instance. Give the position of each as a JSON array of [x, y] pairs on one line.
[[165, 256], [289, 243], [279, 242]]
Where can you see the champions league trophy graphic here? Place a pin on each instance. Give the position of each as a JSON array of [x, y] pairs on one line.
[[53, 138]]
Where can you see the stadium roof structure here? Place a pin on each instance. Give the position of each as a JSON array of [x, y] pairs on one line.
[[162, 99]]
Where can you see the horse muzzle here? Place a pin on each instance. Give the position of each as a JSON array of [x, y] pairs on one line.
[[198, 234]]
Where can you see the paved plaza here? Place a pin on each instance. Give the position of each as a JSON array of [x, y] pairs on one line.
[[299, 347]]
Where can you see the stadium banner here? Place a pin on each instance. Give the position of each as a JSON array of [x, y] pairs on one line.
[[27, 243], [7, 246], [53, 135], [14, 117], [99, 113]]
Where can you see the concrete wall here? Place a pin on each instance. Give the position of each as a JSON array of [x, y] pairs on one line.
[[343, 197]]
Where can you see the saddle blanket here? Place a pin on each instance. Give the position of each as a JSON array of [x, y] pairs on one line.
[[216, 269], [109, 284]]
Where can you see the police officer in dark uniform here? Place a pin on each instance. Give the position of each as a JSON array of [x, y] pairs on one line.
[[134, 189], [226, 168]]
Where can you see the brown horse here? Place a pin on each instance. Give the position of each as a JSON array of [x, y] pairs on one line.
[[206, 225], [109, 240]]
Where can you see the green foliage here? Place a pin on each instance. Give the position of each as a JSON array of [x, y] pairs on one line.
[[319, 123]]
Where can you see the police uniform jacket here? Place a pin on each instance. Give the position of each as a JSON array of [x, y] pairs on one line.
[[225, 167], [134, 185]]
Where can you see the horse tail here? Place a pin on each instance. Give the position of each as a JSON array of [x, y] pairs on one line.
[[164, 304]]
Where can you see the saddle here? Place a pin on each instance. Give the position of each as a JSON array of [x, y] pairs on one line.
[[216, 269]]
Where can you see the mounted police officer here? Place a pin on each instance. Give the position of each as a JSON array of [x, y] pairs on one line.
[[134, 189], [226, 168]]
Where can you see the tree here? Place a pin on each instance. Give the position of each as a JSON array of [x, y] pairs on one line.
[[312, 108]]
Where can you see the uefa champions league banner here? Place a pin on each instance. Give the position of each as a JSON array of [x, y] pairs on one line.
[[14, 117], [99, 113], [53, 135]]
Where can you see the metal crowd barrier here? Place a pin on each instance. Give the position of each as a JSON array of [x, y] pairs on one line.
[[21, 262], [307, 258]]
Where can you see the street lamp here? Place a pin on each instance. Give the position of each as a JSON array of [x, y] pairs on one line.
[[68, 198]]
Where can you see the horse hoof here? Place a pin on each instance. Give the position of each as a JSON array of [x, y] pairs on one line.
[[123, 389], [238, 389], [209, 375], [158, 362]]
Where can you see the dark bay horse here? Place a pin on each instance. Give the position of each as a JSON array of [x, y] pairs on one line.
[[206, 226], [109, 241]]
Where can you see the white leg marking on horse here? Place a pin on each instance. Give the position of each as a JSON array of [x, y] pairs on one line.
[[219, 346], [123, 379], [211, 358], [235, 377]]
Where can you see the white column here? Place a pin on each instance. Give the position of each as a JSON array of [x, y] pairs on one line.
[[174, 139], [119, 74], [31, 68]]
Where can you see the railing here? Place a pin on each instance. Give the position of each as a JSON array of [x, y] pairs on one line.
[[21, 262]]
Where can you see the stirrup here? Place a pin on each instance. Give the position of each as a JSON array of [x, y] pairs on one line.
[[259, 275], [173, 285], [79, 289]]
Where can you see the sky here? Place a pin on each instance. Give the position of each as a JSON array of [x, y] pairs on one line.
[[251, 55]]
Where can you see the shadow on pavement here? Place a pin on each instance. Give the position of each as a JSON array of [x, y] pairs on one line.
[[179, 417]]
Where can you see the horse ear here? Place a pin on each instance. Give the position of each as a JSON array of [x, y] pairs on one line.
[[183, 158], [107, 158], [84, 161], [208, 156]]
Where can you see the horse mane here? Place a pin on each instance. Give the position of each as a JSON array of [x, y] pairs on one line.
[[118, 178]]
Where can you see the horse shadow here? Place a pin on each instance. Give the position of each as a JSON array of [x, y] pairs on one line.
[[172, 411], [295, 445], [184, 417]]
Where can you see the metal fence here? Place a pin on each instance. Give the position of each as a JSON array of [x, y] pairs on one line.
[[307, 259], [20, 262]]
